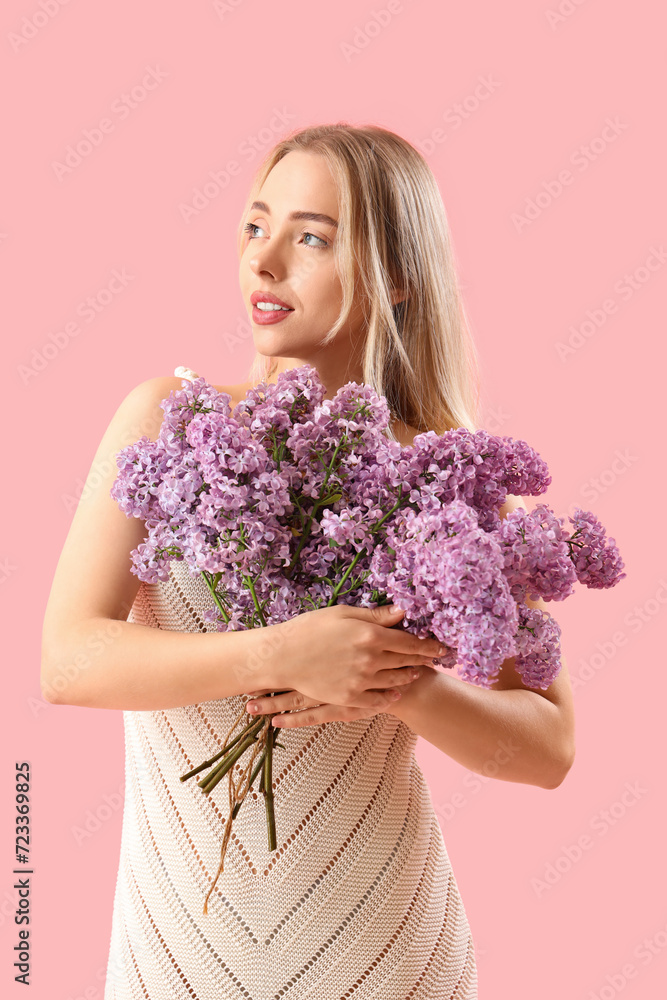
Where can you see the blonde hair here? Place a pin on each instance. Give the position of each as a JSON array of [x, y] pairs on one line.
[[393, 234]]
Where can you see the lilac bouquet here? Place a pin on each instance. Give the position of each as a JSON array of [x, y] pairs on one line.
[[294, 502]]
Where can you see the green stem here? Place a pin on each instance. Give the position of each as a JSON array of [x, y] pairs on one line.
[[268, 790], [219, 771], [251, 588], [212, 585], [337, 589], [217, 756], [318, 503]]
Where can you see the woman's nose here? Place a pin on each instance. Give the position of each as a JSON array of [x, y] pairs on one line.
[[268, 258]]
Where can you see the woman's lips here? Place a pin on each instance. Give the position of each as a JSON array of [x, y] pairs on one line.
[[265, 317]]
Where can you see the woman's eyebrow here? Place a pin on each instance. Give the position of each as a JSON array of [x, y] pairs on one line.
[[261, 206]]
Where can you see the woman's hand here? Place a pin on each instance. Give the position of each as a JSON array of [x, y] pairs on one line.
[[348, 657], [292, 709]]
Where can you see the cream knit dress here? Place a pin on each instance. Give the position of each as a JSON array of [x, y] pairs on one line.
[[358, 901]]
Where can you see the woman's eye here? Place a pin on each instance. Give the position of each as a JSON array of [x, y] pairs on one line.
[[315, 238], [321, 245], [249, 226]]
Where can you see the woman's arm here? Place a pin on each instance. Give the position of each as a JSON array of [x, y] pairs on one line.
[[90, 654], [106, 663], [507, 732]]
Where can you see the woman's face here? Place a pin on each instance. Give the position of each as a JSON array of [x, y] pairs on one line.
[[293, 259]]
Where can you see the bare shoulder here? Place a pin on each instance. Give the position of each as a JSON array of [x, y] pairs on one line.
[[93, 576], [236, 392], [140, 412]]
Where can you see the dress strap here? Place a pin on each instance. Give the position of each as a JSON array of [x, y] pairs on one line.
[[187, 373]]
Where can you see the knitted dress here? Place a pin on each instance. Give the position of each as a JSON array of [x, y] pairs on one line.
[[359, 899]]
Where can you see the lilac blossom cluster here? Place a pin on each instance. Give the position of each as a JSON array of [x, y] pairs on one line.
[[293, 502]]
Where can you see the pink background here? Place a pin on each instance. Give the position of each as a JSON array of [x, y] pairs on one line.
[[502, 98]]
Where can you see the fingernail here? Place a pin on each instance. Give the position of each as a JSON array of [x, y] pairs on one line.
[[414, 674], [251, 707], [441, 650], [395, 695], [395, 608]]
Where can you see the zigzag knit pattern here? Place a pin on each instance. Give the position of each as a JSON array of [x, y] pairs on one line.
[[358, 902]]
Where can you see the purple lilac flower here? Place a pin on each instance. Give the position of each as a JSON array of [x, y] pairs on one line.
[[269, 410], [351, 527], [537, 557], [342, 430], [447, 573], [596, 558], [476, 467], [150, 559], [141, 468], [538, 646]]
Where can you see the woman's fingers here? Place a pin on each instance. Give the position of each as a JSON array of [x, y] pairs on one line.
[[400, 674], [399, 678], [376, 702], [295, 702], [407, 645], [287, 702], [317, 716]]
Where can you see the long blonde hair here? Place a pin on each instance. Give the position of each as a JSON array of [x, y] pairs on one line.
[[393, 233]]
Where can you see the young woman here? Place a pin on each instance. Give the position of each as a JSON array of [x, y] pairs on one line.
[[346, 264]]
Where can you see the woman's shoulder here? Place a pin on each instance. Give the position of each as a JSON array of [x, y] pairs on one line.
[[236, 392]]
